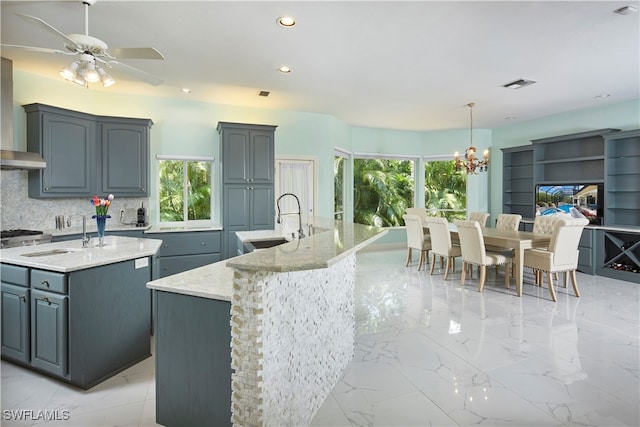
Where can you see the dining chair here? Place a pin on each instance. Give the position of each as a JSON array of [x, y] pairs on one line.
[[475, 253], [562, 253], [421, 212], [416, 239], [543, 224], [441, 244], [481, 217], [508, 222]]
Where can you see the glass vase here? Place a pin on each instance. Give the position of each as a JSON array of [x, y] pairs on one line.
[[101, 222]]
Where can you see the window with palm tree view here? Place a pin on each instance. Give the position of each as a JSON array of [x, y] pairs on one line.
[[185, 190], [384, 188], [445, 190]]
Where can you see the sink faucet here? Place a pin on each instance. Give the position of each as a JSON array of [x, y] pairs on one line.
[[300, 231], [85, 238]]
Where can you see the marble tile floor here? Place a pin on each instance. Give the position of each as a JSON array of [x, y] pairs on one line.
[[430, 353]]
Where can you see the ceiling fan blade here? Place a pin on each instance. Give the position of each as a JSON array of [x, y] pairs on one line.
[[135, 72], [50, 29], [36, 49], [135, 53]]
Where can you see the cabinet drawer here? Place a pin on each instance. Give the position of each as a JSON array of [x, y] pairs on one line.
[[190, 243], [14, 274], [49, 281]]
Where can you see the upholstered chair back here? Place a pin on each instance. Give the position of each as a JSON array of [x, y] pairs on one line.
[[564, 242], [471, 242], [481, 217], [508, 221], [440, 235], [415, 233], [421, 212], [543, 224]]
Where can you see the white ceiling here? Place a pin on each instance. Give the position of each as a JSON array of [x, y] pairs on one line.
[[400, 65]]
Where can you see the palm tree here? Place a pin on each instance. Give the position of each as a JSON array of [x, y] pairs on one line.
[[445, 188], [383, 189]]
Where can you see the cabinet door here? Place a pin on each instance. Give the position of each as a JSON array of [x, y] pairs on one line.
[[15, 322], [235, 155], [236, 205], [125, 159], [261, 157], [49, 348], [262, 209], [68, 146]]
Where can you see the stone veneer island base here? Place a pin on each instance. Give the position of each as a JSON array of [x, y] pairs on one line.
[[291, 331]]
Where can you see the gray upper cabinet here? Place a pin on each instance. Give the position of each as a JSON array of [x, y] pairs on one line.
[[125, 154], [87, 154], [67, 141], [247, 153], [248, 163]]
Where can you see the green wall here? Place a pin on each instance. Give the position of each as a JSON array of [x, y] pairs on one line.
[[182, 126]]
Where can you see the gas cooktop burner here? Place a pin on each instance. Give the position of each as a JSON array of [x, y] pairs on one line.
[[18, 233]]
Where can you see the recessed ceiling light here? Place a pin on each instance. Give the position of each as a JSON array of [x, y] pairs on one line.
[[284, 70], [264, 93], [626, 10], [186, 90], [519, 84], [286, 21], [603, 96], [510, 118]]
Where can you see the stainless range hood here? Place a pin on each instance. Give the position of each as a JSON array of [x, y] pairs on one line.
[[21, 160]]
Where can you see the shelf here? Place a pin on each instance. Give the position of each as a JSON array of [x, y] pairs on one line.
[[570, 160], [568, 182]]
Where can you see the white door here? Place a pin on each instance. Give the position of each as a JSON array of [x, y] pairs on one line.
[[296, 176]]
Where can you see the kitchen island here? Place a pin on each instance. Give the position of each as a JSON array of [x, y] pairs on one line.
[[79, 314], [269, 333]]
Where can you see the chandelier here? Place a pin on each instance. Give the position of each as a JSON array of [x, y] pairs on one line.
[[471, 163], [85, 71]]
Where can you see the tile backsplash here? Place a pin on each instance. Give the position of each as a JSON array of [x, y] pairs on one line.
[[20, 211]]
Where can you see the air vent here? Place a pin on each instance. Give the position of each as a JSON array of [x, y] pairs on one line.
[[264, 93], [518, 84]]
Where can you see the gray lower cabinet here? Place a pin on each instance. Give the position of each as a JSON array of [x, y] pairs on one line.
[[49, 350], [246, 208], [182, 251], [87, 154], [15, 321], [586, 254], [81, 327], [193, 361]]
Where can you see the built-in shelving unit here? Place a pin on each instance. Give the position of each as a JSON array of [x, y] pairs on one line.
[[622, 190], [517, 181], [606, 156]]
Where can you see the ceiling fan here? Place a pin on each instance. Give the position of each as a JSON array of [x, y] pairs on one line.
[[92, 56]]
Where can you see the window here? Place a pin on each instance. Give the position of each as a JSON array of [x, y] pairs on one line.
[[383, 188], [445, 189], [339, 182], [185, 189]]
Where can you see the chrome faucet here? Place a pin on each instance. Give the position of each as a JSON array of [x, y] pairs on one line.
[[85, 238], [278, 218]]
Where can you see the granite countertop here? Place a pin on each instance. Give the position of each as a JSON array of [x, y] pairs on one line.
[[213, 281], [334, 241], [331, 242], [116, 249], [91, 228], [181, 229]]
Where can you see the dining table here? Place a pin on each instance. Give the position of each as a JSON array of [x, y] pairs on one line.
[[508, 239]]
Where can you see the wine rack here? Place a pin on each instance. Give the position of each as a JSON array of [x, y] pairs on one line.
[[620, 258]]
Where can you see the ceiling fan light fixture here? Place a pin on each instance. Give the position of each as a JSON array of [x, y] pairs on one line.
[[69, 72], [90, 74], [105, 78]]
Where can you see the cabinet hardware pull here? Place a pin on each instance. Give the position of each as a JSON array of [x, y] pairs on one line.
[[45, 299], [23, 297], [203, 243], [45, 282]]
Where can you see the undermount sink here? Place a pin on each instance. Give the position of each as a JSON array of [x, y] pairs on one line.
[[59, 251], [264, 244]]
